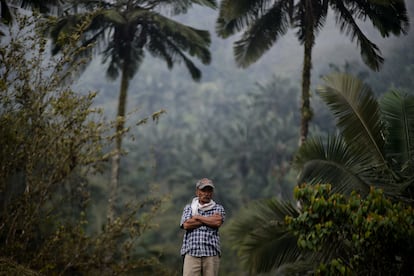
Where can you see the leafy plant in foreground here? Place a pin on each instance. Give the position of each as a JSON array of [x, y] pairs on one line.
[[364, 235]]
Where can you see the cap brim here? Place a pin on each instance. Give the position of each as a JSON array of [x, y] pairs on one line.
[[206, 185]]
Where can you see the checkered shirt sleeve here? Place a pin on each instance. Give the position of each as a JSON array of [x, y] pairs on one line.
[[202, 241]]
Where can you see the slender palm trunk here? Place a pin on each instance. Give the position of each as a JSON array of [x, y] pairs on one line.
[[306, 111], [120, 122]]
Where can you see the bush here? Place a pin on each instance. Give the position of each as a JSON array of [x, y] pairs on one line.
[[51, 140], [367, 236]]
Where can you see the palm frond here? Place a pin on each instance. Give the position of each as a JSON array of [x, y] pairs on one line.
[[261, 36], [170, 53], [387, 16], [261, 237], [234, 16], [170, 40], [370, 52], [357, 114], [398, 112], [186, 38], [334, 162]]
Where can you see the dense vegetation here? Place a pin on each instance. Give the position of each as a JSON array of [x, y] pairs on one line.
[[369, 235], [238, 127], [368, 164], [52, 139]]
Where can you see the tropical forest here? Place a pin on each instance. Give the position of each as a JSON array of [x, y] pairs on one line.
[[301, 112]]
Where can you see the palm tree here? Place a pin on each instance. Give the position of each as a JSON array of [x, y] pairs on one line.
[[375, 147], [264, 22], [127, 30]]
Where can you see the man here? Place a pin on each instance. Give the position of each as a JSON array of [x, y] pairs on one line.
[[201, 244]]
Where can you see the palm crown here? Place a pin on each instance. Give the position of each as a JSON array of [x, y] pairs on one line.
[[123, 30]]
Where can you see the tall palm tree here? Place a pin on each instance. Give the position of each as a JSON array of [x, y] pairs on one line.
[[264, 22], [375, 147], [126, 30]]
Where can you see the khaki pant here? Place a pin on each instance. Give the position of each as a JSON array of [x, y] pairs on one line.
[[206, 266]]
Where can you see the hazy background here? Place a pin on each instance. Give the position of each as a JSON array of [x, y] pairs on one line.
[[237, 126]]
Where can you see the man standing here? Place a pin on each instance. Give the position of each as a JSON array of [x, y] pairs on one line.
[[201, 244]]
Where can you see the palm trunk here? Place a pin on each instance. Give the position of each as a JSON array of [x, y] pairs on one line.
[[306, 111], [120, 122]]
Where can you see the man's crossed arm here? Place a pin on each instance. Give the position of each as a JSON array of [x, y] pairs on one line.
[[196, 221]]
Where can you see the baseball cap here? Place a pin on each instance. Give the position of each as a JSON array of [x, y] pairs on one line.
[[202, 183]]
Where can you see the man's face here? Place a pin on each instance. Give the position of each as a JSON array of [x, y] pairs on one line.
[[205, 194]]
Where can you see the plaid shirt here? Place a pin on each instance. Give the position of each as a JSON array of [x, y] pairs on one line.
[[202, 241]]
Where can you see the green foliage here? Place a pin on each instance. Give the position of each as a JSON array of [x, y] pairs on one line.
[[373, 235], [358, 229], [52, 139], [259, 230], [374, 145], [372, 151]]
